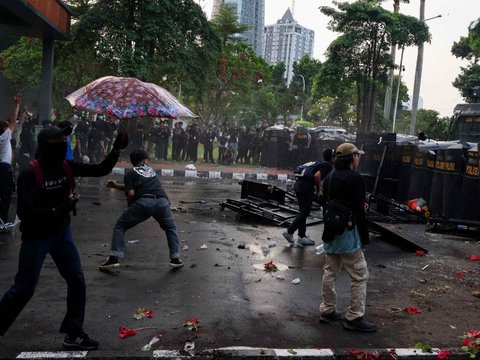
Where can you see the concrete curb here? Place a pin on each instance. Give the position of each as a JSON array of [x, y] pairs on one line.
[[240, 352], [198, 174]]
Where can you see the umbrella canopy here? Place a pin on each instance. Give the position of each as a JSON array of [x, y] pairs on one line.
[[127, 97]]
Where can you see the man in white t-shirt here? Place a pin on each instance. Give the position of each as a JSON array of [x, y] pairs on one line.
[[7, 179]]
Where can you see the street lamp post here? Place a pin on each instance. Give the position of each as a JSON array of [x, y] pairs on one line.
[[418, 72], [303, 81]]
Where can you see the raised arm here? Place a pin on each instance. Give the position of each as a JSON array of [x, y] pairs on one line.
[[13, 119]]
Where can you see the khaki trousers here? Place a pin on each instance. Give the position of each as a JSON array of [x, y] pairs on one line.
[[356, 267]]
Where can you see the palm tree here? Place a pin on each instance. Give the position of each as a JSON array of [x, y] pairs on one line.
[[388, 96]]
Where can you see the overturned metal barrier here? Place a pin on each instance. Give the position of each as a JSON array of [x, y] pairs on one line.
[[268, 203]]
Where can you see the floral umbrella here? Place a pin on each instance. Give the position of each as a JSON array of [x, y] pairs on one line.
[[127, 97]]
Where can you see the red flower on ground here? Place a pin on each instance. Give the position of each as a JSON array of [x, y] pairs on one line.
[[191, 324], [459, 275], [420, 253], [124, 332], [270, 266], [474, 257], [148, 313], [413, 310], [443, 354], [364, 355]]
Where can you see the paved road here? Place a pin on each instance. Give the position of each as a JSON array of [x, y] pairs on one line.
[[225, 287]]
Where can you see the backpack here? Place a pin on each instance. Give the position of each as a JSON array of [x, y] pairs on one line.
[[337, 217], [306, 170], [39, 174]]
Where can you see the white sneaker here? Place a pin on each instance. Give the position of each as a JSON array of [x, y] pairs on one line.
[[288, 237], [305, 241]]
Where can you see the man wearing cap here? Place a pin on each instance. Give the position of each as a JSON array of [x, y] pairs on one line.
[[7, 180], [345, 250], [146, 198], [45, 200]]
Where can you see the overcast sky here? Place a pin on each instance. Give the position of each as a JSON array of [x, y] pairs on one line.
[[439, 67]]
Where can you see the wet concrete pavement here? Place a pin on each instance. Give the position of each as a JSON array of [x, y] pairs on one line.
[[236, 301]]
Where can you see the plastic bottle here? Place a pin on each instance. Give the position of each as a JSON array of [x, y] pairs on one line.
[[319, 249]]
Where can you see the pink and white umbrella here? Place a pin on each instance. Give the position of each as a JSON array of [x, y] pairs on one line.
[[127, 97]]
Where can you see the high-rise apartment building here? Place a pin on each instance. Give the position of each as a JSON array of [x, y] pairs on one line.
[[250, 13], [287, 42]]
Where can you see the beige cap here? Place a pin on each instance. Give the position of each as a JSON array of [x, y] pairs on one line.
[[347, 149]]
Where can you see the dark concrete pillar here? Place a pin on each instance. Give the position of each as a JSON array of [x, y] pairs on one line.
[[46, 84]]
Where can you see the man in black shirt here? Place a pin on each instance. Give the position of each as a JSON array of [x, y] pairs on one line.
[[346, 250], [146, 198], [45, 200], [307, 188]]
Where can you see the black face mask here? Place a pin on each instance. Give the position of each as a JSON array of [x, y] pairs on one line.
[[53, 153]]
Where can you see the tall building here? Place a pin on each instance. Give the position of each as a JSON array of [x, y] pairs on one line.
[[287, 42], [250, 13]]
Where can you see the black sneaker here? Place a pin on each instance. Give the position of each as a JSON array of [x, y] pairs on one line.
[[329, 317], [359, 324], [176, 263], [112, 262], [81, 342]]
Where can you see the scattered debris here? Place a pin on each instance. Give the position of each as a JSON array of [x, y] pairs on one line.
[[172, 313], [136, 241], [413, 310], [280, 277], [125, 332], [242, 246], [423, 347], [265, 250], [191, 324], [291, 351], [192, 202], [189, 346], [470, 343], [272, 243], [476, 293], [204, 246], [142, 313], [443, 354], [296, 281], [152, 342], [426, 266], [270, 267], [185, 247]]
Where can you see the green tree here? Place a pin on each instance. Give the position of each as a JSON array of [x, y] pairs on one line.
[[226, 26], [368, 31], [236, 87], [468, 48], [434, 127], [150, 40], [21, 63], [306, 68]]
